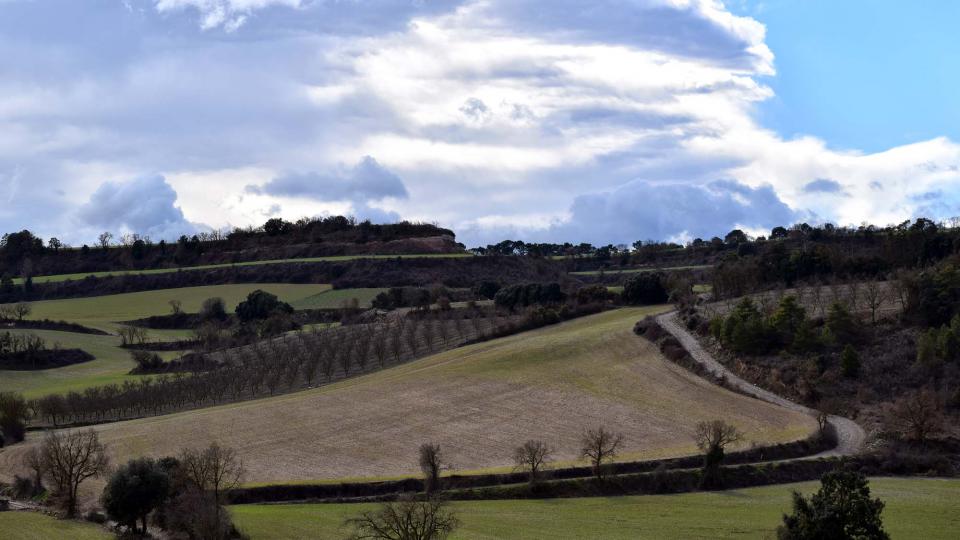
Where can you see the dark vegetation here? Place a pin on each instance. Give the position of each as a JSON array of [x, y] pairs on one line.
[[23, 254], [842, 508], [22, 352], [360, 273]]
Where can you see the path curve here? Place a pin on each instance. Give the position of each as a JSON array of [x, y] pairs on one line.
[[850, 436]]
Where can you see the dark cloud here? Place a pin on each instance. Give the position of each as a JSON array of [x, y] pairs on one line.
[[145, 205], [823, 185], [642, 210], [367, 181]]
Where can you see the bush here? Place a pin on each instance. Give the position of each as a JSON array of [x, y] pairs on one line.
[[213, 309], [260, 305], [849, 362], [135, 490], [842, 508], [645, 288]]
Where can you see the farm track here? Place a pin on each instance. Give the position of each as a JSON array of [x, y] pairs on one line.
[[850, 436]]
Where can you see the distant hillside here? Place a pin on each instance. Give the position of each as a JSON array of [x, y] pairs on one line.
[[24, 254]]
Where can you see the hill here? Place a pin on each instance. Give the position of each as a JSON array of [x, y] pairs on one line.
[[477, 401]]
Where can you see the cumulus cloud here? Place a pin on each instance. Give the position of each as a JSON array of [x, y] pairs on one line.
[[642, 210], [367, 180], [145, 205], [498, 115]]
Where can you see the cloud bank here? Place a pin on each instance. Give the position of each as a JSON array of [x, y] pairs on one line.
[[605, 121]]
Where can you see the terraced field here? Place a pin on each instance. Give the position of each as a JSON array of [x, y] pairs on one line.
[[916, 508], [614, 271], [335, 258], [106, 312], [478, 402], [336, 298]]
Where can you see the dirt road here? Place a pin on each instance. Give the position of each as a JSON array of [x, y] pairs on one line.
[[850, 436]]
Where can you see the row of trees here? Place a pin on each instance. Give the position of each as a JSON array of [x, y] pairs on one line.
[[286, 364]]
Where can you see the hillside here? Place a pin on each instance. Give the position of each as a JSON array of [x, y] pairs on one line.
[[477, 402]]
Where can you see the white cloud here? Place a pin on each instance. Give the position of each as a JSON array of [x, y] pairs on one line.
[[527, 117]]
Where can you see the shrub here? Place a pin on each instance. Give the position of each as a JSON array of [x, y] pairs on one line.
[[645, 288], [842, 508], [849, 362], [213, 309], [261, 305], [135, 490]]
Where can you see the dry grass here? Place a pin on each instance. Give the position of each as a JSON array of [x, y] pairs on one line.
[[477, 402]]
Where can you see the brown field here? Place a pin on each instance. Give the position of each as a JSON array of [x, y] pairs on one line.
[[478, 402]]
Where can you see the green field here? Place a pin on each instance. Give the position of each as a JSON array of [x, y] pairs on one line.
[[335, 298], [922, 509], [110, 365], [615, 271], [105, 312], [111, 362], [37, 526], [336, 258]]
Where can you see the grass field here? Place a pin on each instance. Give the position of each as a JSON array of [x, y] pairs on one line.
[[333, 299], [81, 275], [36, 526], [110, 365], [104, 312], [614, 271], [478, 402], [926, 509]]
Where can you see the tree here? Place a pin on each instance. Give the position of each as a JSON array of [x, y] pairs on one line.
[[14, 413], [645, 288], [532, 456], [21, 310], [213, 309], [135, 490], [599, 445], [34, 461], [104, 239], [406, 519], [917, 416], [71, 458], [842, 509], [214, 470], [849, 362], [712, 438], [261, 305], [55, 244], [432, 463], [735, 237], [176, 307]]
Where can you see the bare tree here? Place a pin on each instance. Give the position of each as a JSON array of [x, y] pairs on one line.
[[599, 445], [21, 310], [917, 416], [406, 519], [176, 307], [532, 456], [215, 470], [432, 463], [71, 458], [104, 239], [35, 462], [875, 294], [712, 438]]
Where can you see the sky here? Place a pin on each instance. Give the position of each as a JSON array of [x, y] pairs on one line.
[[606, 121]]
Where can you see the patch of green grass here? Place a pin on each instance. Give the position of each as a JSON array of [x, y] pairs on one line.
[[335, 298], [110, 365], [336, 258], [617, 289], [104, 312], [37, 526], [916, 508], [702, 288], [636, 270]]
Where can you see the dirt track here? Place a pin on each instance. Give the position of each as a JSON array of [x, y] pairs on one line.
[[850, 436]]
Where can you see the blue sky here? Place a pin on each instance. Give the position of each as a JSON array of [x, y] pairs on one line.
[[862, 74], [560, 120]]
